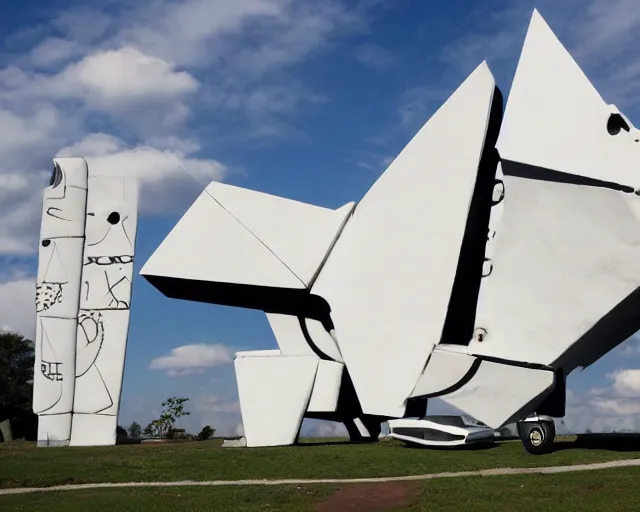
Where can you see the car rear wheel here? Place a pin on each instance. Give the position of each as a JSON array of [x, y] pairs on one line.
[[537, 437]]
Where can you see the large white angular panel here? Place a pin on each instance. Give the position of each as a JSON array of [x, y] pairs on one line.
[[326, 388], [274, 393], [54, 429], [556, 119], [54, 372], [498, 392], [565, 252], [388, 279], [447, 366], [65, 199], [58, 280], [209, 244], [93, 430], [299, 234], [565, 255], [291, 339]]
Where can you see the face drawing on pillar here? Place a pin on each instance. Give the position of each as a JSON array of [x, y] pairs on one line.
[[64, 203], [62, 229], [108, 258]]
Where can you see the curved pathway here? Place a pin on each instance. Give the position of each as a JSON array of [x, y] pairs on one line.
[[308, 481]]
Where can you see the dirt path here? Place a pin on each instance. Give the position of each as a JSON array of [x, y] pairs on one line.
[[379, 497], [307, 481]]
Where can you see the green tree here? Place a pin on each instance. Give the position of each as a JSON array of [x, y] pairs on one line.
[[16, 383], [135, 430], [206, 433], [172, 409]]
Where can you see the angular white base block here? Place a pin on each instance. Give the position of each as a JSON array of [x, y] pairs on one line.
[[54, 429], [93, 430], [274, 393]]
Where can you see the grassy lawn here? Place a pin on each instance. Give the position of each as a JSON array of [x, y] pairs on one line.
[[611, 490], [24, 465]]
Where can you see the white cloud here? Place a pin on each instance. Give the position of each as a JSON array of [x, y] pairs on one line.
[[17, 307], [122, 87], [190, 359], [215, 403], [319, 428], [220, 412], [605, 409], [626, 383], [54, 50], [121, 83], [374, 56], [119, 78], [165, 176]]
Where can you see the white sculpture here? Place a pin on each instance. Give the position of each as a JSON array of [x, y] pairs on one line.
[[487, 262], [82, 302]]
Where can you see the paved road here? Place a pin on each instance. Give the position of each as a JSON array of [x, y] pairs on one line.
[[307, 481]]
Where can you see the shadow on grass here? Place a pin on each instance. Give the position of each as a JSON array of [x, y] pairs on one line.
[[128, 440], [329, 442], [461, 448], [611, 442]]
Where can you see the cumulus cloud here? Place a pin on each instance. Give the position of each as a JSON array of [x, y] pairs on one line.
[[215, 403], [319, 428], [626, 383], [17, 307], [192, 359], [130, 86], [165, 175], [608, 408], [53, 50], [119, 78], [374, 56], [220, 412]]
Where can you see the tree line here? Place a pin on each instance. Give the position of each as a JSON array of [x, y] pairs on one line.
[[17, 358], [164, 426]]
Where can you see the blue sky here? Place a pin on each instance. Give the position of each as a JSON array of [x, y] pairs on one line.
[[307, 100]]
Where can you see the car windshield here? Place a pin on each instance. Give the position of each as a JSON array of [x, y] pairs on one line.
[[454, 421], [472, 422]]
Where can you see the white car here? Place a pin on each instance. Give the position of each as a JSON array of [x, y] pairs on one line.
[[441, 430]]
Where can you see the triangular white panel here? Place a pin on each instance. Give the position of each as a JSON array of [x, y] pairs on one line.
[[388, 279], [55, 272], [556, 119], [299, 234], [566, 251], [209, 244]]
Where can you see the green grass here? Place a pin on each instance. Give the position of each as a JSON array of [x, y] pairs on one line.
[[24, 465], [612, 490]]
